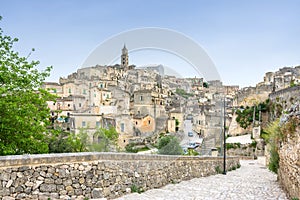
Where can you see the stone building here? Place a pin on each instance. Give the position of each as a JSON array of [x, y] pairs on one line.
[[178, 116], [149, 102], [138, 102], [94, 96], [273, 81], [282, 78], [144, 125]]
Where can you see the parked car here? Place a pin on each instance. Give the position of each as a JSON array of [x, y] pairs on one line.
[[190, 134], [193, 145]]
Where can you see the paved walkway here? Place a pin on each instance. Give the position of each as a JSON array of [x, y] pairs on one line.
[[251, 181]]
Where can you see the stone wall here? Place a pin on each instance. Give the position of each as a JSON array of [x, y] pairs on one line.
[[287, 97], [251, 95], [96, 175], [289, 165], [245, 150]]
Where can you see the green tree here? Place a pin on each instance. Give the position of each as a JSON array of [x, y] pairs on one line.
[[183, 93], [169, 145], [245, 115], [65, 142], [24, 114], [104, 140]]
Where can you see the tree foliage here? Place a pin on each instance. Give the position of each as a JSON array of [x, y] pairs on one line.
[[245, 115], [104, 140], [169, 145], [65, 142], [183, 93], [23, 110]]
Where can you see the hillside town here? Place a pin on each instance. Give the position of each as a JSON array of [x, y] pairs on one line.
[[143, 103]]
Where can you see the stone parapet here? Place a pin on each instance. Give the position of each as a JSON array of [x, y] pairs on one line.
[[96, 175]]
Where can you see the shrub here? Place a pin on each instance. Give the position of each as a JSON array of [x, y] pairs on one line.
[[192, 152], [233, 145], [135, 188], [274, 159], [253, 144], [273, 137], [130, 148], [218, 170]]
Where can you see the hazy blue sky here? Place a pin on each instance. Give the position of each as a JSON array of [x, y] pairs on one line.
[[244, 39]]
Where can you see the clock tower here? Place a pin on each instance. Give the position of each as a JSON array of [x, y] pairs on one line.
[[124, 58]]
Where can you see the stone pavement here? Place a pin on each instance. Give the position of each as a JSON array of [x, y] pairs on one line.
[[252, 181]]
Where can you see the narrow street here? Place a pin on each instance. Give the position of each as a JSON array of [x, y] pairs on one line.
[[251, 181], [186, 139]]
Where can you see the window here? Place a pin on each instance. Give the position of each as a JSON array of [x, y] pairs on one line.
[[70, 91], [84, 91], [141, 98], [79, 104], [149, 121], [54, 90], [122, 127], [97, 124], [83, 124], [94, 95], [136, 123]]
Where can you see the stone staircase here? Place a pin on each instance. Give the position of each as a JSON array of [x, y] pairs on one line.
[[207, 145]]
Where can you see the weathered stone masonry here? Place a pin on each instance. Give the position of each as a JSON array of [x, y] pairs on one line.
[[289, 165], [96, 175]]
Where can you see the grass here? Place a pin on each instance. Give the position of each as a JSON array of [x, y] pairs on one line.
[[137, 189]]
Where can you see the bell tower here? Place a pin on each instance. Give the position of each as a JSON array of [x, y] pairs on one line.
[[124, 57]]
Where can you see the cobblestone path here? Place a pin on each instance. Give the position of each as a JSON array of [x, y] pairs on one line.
[[251, 181]]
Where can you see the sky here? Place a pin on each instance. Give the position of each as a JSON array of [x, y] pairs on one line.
[[244, 39]]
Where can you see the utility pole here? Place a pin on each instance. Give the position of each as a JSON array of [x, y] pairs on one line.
[[254, 115]]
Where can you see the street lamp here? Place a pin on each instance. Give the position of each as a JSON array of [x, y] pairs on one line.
[[224, 138]]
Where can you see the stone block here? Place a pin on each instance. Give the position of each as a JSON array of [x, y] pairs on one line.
[[47, 187]]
